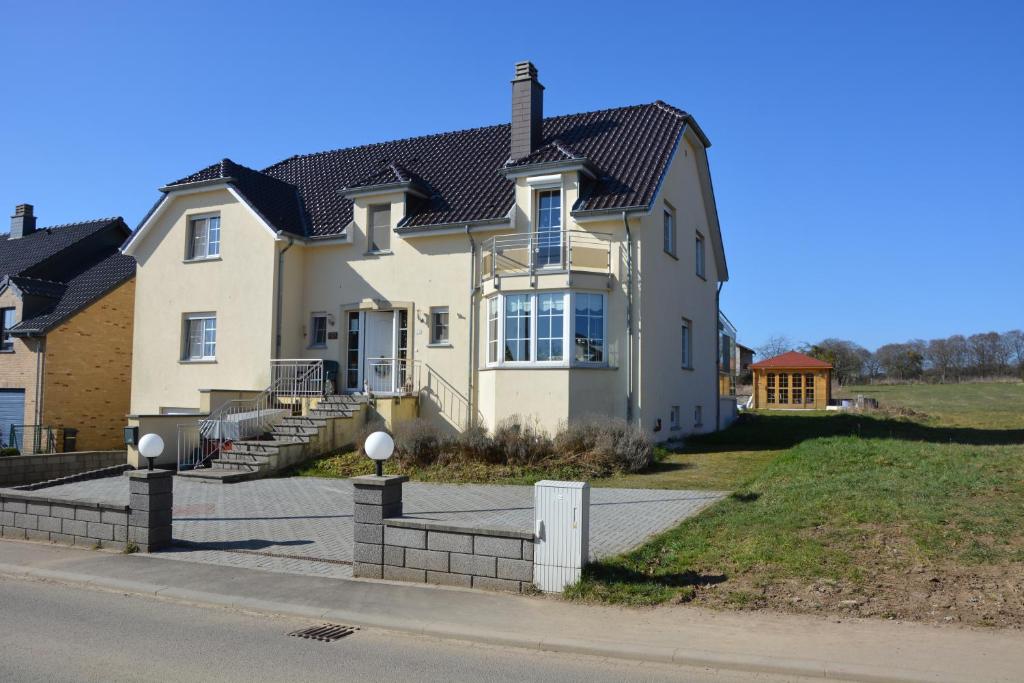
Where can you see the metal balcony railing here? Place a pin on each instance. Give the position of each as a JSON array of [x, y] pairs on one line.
[[545, 252]]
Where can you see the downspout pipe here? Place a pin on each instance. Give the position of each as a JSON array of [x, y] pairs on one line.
[[280, 295], [471, 360], [629, 318], [718, 345]]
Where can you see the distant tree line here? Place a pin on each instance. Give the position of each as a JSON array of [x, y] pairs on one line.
[[952, 359]]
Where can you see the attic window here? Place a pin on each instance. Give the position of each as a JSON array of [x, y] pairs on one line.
[[379, 231], [203, 238], [6, 323]]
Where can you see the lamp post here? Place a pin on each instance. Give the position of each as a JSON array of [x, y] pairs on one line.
[[378, 446], [150, 447]]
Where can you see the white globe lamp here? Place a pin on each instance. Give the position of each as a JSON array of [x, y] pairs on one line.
[[150, 447], [379, 446]]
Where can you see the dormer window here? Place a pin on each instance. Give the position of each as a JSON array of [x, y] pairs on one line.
[[203, 238], [378, 232]]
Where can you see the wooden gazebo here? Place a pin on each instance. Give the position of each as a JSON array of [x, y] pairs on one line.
[[792, 381]]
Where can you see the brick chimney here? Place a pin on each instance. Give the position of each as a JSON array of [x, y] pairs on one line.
[[23, 222], [527, 110]]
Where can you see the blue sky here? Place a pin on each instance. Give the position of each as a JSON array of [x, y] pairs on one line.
[[867, 157]]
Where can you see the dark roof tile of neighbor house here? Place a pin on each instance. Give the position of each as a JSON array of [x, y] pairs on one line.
[[65, 268], [460, 173]]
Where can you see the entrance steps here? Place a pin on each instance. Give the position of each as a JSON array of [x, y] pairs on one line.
[[331, 423]]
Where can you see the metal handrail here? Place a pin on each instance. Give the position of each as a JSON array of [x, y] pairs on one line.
[[558, 251], [245, 418]]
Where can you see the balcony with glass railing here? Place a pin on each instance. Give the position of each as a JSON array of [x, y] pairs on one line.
[[546, 252]]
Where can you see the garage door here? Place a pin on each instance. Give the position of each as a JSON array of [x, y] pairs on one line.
[[12, 411]]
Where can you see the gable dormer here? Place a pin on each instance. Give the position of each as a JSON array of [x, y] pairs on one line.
[[379, 202]]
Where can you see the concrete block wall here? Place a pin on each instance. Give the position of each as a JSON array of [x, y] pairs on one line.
[[389, 546], [145, 521], [453, 555], [16, 470]]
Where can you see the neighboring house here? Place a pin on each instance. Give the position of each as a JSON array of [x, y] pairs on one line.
[[791, 381], [744, 359], [66, 300], [555, 267], [727, 367]]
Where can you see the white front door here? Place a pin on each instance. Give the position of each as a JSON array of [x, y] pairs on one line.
[[380, 374]]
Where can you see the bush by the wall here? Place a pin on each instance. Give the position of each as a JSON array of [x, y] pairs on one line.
[[9, 451], [519, 441], [604, 445], [417, 442]]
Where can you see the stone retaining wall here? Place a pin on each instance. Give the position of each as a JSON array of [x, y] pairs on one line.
[[390, 546], [145, 521], [16, 470]]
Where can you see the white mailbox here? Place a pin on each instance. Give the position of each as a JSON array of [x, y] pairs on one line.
[[562, 533]]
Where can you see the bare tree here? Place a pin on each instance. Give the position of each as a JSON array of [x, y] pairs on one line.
[[901, 361], [775, 346], [942, 357], [847, 358], [991, 356], [1014, 342]]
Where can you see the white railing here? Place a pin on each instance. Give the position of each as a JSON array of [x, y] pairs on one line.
[[389, 376], [291, 381], [534, 252]]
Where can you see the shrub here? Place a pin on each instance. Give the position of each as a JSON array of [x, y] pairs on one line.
[[519, 441], [417, 442], [473, 445], [9, 451], [604, 445]]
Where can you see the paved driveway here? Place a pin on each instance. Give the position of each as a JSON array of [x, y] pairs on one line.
[[304, 525]]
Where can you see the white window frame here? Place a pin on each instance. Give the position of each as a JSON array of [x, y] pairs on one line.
[[186, 337], [190, 253], [6, 340], [700, 256], [432, 320], [313, 343], [568, 331], [686, 344], [372, 209], [669, 230]]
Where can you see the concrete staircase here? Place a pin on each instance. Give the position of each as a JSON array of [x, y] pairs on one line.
[[333, 422]]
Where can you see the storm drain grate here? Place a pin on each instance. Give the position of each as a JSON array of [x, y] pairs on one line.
[[327, 633]]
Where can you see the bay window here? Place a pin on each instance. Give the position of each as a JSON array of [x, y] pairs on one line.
[[533, 329]]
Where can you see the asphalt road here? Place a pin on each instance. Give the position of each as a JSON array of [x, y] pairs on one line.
[[53, 632]]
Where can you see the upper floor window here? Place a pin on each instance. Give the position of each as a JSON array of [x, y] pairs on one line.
[[318, 330], [378, 235], [492, 331], [549, 228], [439, 325], [700, 255], [6, 323], [200, 337], [686, 351], [669, 228], [204, 238]]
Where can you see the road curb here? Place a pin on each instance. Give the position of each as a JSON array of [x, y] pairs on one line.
[[681, 655]]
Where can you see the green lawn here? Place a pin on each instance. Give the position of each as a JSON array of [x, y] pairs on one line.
[[872, 515]]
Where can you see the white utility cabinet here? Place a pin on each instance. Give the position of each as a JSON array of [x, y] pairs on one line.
[[562, 533]]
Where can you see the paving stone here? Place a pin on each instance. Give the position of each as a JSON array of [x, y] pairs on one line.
[[404, 574], [489, 584], [478, 565], [454, 543], [498, 547], [446, 579], [408, 538], [394, 555], [433, 560], [517, 570]]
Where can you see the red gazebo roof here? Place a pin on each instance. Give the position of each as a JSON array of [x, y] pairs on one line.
[[792, 359]]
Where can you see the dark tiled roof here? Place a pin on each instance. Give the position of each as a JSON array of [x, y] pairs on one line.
[[389, 174], [554, 151], [19, 255], [630, 147], [81, 291], [72, 265], [31, 286]]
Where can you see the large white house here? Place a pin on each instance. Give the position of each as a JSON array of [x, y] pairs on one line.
[[554, 267]]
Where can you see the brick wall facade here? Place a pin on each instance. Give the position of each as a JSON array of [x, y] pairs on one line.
[[18, 368], [87, 371]]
